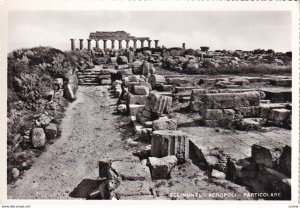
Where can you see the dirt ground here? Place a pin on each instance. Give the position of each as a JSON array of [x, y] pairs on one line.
[[89, 134]]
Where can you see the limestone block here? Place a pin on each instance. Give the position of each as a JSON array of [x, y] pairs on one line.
[[218, 114], [285, 160], [231, 100], [266, 154], [133, 109], [160, 104], [140, 90], [161, 167], [51, 131], [196, 106], [279, 114], [240, 81], [137, 99], [132, 189], [68, 92], [38, 137], [164, 123], [197, 94], [105, 81], [249, 112], [156, 79], [146, 113], [129, 170], [104, 76], [167, 142], [247, 124]]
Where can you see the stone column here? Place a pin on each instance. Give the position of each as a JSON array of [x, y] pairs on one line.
[[97, 43], [127, 43], [183, 46], [156, 43], [104, 44], [142, 43], [112, 44], [120, 44], [149, 43], [72, 44], [134, 43], [89, 44], [80, 44]]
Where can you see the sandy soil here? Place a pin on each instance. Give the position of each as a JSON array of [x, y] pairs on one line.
[[89, 134]]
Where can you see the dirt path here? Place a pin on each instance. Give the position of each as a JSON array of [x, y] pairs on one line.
[[89, 134]]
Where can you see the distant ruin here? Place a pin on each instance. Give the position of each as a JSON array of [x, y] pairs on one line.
[[112, 36]]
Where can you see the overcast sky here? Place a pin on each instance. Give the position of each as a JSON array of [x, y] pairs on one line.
[[244, 30]]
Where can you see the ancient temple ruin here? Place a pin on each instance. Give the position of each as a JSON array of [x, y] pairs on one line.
[[119, 36]]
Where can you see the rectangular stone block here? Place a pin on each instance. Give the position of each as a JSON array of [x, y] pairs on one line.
[[140, 90], [137, 99], [161, 167], [105, 81], [198, 94], [133, 109], [218, 114], [266, 154], [164, 123], [249, 112], [279, 114], [196, 106], [167, 142], [231, 100], [146, 113], [167, 88], [278, 94], [160, 104], [281, 82], [104, 76], [285, 160], [156, 79]]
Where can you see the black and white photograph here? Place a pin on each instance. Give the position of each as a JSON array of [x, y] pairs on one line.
[[151, 105]]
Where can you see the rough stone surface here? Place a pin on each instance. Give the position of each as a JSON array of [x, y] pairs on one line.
[[166, 142], [285, 160], [279, 114], [156, 79], [38, 137], [231, 100], [51, 131], [266, 154], [131, 189], [161, 167], [137, 99], [164, 123], [140, 90], [68, 92], [159, 104], [131, 170]]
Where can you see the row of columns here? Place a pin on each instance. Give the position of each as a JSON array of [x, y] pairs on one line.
[[112, 44]]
